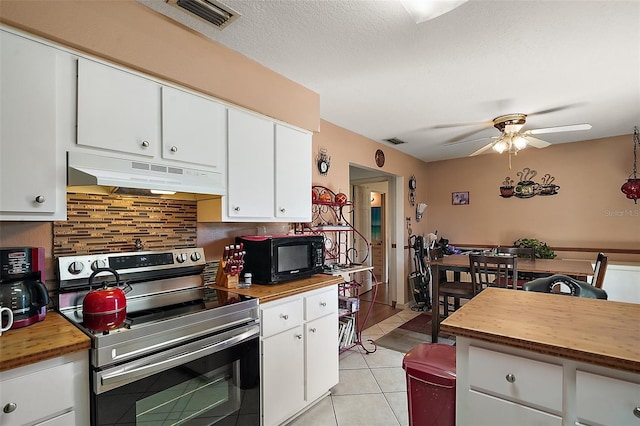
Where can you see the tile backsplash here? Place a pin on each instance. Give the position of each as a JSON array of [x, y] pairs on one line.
[[112, 223]]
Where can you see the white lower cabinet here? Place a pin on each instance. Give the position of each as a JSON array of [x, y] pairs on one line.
[[602, 400], [52, 392], [501, 385], [299, 360]]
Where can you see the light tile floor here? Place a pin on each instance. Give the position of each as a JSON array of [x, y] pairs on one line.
[[372, 389]]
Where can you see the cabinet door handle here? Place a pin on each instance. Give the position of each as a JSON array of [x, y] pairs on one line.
[[284, 316], [40, 199], [236, 208], [10, 407], [282, 210], [636, 412], [145, 144], [299, 336], [174, 148], [511, 378], [312, 330], [323, 304]]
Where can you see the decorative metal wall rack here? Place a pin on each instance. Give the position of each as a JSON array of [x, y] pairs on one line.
[[331, 214], [526, 187]]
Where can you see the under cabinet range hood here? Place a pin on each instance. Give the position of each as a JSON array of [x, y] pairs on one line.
[[139, 177]]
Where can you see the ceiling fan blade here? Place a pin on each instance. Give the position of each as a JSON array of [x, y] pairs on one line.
[[537, 143], [468, 123], [481, 150], [549, 110], [569, 128], [470, 140], [460, 138]]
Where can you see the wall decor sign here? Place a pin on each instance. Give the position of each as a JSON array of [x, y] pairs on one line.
[[460, 198], [412, 190], [526, 187]]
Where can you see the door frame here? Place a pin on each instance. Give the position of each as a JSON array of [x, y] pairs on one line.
[[395, 230]]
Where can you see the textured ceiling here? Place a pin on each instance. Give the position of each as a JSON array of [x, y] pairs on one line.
[[381, 75]]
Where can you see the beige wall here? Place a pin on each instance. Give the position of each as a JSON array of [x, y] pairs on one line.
[[589, 211]]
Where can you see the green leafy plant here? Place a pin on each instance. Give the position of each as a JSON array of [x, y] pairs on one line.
[[542, 250]]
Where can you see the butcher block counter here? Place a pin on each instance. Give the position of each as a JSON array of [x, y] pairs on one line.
[[51, 338], [269, 293], [600, 332]]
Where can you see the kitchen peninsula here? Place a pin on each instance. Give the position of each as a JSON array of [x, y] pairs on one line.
[[533, 358]]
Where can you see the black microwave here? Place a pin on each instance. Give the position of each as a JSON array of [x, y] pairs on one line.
[[274, 259]]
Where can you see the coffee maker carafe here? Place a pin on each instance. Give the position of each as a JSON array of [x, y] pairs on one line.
[[21, 287]]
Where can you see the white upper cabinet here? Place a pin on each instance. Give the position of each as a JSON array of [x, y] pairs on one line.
[[293, 174], [32, 180], [117, 110], [194, 129], [269, 170], [251, 166]]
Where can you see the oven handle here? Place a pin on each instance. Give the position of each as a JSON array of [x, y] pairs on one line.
[[128, 376]]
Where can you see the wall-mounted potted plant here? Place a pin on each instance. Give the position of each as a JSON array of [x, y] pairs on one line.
[[542, 250]]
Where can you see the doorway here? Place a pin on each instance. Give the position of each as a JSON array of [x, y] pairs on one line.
[[375, 193]]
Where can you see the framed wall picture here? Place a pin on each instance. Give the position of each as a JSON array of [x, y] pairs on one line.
[[459, 198]]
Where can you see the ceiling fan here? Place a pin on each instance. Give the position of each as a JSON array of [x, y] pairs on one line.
[[513, 139]]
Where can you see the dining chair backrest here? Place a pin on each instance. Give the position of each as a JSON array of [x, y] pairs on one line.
[[493, 271], [435, 253], [599, 270], [522, 252]]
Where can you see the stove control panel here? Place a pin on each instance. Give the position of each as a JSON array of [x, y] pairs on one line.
[[81, 267]]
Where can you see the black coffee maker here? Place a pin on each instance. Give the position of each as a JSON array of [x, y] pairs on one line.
[[21, 287]]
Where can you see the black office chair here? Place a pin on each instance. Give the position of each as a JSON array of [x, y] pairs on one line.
[[557, 284]]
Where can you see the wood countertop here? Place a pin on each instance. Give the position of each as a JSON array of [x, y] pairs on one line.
[[51, 338], [269, 293], [55, 336], [594, 331]]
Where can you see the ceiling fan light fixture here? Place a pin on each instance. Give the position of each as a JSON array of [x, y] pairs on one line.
[[520, 143], [500, 146], [424, 10]]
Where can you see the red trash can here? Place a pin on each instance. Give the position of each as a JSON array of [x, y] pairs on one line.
[[431, 384]]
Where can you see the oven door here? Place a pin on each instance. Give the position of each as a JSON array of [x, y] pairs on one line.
[[201, 383]]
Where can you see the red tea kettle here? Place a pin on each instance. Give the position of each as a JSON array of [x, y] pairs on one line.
[[105, 308]]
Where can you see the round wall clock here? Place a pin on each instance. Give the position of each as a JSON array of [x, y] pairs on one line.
[[323, 160], [379, 158]]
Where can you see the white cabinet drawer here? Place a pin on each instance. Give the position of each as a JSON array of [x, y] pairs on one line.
[[606, 401], [320, 304], [537, 384], [485, 410], [20, 391], [279, 316]]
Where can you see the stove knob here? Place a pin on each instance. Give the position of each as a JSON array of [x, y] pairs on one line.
[[99, 263], [75, 268], [181, 258], [195, 256]]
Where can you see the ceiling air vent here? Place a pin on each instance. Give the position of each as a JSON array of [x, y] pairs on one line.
[[211, 11], [395, 141]]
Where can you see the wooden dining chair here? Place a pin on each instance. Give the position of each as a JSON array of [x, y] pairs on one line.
[[599, 270], [521, 253], [456, 290], [494, 271]]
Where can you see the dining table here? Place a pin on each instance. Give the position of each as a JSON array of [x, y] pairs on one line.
[[457, 263]]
